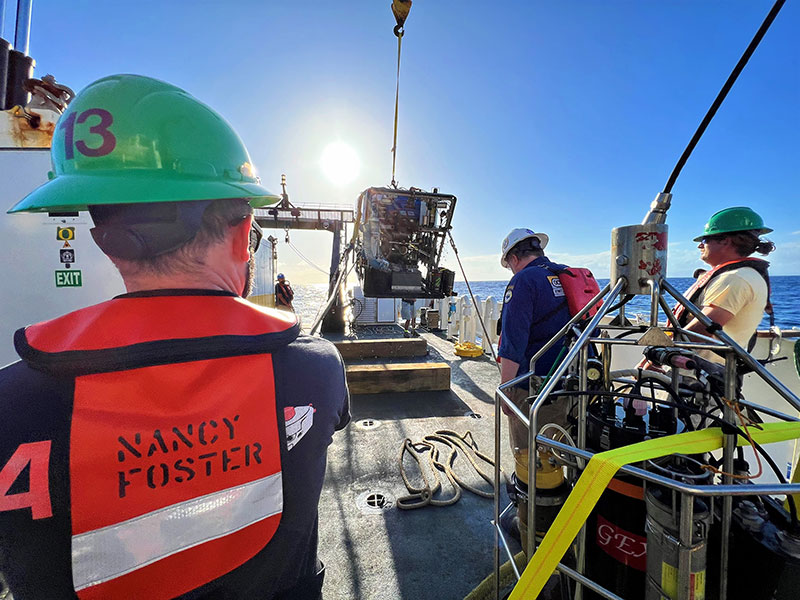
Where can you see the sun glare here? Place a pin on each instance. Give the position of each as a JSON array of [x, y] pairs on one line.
[[340, 163]]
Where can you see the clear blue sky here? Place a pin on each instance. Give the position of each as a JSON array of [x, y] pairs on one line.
[[566, 117]]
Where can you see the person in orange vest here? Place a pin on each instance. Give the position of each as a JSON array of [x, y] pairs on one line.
[[167, 443], [734, 292], [284, 294]]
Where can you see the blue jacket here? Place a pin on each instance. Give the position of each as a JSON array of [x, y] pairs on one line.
[[534, 309]]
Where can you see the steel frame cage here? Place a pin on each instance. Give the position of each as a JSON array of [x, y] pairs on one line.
[[579, 352]]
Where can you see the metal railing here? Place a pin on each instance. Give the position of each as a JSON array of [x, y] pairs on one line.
[[579, 352]]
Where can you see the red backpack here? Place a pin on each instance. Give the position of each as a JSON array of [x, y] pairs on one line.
[[579, 287]]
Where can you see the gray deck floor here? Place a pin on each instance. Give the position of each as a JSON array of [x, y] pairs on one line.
[[437, 553]]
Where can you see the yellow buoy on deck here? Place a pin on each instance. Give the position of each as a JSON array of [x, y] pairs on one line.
[[468, 349]]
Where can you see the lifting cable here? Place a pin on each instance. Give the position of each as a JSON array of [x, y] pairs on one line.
[[424, 496], [474, 302], [723, 93], [305, 259], [400, 9], [343, 274]]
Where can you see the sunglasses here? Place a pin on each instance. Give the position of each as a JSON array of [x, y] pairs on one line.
[[256, 233], [712, 238]]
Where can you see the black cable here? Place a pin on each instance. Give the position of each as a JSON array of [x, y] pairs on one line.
[[718, 420], [764, 454], [681, 407], [360, 304], [708, 415], [664, 386], [627, 298], [782, 479], [639, 329], [722, 93]]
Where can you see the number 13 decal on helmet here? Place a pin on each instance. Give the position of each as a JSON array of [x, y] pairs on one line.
[[101, 129]]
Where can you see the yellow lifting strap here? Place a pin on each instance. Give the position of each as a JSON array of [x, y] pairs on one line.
[[600, 471]]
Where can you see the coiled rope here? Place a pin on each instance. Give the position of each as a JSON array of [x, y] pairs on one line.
[[426, 451]]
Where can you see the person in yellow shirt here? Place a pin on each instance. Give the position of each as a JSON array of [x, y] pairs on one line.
[[735, 292]]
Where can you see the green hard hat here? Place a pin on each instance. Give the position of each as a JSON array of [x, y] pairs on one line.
[[129, 139], [730, 220]]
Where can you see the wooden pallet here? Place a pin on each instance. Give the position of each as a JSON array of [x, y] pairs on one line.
[[401, 377], [356, 349]]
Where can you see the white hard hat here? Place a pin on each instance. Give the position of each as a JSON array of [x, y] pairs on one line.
[[518, 235]]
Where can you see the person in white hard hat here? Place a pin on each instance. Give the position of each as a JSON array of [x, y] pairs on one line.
[[534, 310]]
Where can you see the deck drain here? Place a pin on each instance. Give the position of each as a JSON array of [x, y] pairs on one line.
[[374, 502], [368, 424], [473, 415]]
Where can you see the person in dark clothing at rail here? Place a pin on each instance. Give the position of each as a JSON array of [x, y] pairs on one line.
[[284, 294], [534, 310], [169, 442]]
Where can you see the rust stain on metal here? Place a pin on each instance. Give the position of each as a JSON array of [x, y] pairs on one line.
[[16, 130]]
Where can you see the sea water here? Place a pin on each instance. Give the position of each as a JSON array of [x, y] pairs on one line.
[[309, 298], [783, 289]]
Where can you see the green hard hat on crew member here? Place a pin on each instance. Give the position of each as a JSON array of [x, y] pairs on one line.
[[731, 220], [129, 139]]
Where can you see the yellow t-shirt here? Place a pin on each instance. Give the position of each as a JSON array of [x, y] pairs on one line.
[[742, 292]]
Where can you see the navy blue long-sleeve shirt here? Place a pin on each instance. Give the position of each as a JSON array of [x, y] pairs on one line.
[[534, 309]]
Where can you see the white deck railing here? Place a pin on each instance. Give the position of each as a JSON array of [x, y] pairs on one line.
[[463, 323]]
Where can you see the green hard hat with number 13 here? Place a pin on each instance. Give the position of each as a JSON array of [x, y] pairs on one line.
[[731, 220], [128, 139]]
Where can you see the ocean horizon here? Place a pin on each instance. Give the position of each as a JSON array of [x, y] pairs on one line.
[[310, 297]]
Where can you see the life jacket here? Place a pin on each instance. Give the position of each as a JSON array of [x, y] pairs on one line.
[[578, 286], [696, 289], [284, 294], [174, 456]]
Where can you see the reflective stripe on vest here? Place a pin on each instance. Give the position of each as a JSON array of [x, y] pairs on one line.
[[104, 554]]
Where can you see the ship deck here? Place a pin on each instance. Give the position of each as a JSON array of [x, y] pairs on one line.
[[439, 553], [432, 552]]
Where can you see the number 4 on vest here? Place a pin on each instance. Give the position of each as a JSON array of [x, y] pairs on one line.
[[37, 498]]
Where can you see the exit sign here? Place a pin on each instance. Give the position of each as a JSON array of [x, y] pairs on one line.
[[69, 278]]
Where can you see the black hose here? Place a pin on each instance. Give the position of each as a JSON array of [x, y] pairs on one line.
[[782, 479], [627, 298], [664, 386], [722, 93]]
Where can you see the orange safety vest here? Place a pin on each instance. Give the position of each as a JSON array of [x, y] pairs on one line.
[[694, 291], [174, 459]]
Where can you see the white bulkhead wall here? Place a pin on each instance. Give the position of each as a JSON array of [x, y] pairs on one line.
[[264, 279], [31, 254]]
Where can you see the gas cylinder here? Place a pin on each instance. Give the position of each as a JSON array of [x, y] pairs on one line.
[[552, 490], [664, 545], [616, 544]]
